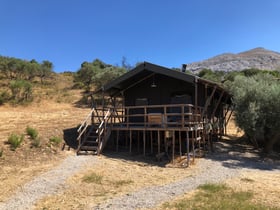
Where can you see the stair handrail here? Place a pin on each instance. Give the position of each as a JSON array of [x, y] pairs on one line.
[[83, 127], [103, 127], [105, 120]]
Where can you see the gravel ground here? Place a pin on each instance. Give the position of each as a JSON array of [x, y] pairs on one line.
[[150, 197], [48, 183], [215, 167]]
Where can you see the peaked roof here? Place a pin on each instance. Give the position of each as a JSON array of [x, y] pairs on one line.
[[146, 70]]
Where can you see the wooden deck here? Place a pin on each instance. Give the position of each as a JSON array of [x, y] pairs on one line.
[[176, 129]]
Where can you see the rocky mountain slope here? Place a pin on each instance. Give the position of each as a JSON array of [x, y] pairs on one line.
[[258, 58]]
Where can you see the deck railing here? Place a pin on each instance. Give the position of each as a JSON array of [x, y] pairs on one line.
[[169, 115]]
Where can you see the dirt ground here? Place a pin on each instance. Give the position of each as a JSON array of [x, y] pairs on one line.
[[50, 119], [119, 175]]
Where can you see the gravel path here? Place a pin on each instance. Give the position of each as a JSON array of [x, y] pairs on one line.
[[48, 183], [212, 172], [216, 167]]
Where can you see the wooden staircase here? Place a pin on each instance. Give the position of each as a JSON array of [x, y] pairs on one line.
[[94, 133]]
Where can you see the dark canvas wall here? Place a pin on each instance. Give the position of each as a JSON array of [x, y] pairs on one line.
[[165, 89]]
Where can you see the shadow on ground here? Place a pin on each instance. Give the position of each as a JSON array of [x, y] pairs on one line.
[[233, 153], [237, 154], [139, 159], [70, 138]]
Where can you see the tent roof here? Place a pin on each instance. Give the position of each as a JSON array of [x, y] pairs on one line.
[[146, 70]]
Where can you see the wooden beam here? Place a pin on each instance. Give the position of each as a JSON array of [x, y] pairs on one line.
[[138, 141], [151, 133], [193, 146], [208, 101], [130, 141], [144, 143], [173, 146], [188, 148], [196, 98], [180, 143], [217, 105], [227, 120], [135, 83], [158, 135]]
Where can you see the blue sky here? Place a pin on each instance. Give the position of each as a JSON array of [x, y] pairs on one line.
[[164, 32]]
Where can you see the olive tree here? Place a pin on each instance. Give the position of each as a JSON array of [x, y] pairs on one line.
[[257, 106]]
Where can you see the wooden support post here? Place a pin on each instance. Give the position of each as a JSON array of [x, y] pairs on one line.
[[211, 141], [188, 147], [193, 146], [196, 98], [130, 141], [138, 141], [198, 139], [158, 135], [126, 140], [208, 101], [117, 146], [103, 103], [204, 139], [217, 105], [227, 120], [151, 133], [173, 146], [144, 143], [180, 143]]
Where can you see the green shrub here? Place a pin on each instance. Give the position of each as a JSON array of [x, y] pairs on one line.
[[36, 142], [55, 140], [257, 109], [217, 196], [4, 97], [120, 183], [15, 140], [32, 132], [1, 152], [21, 90], [93, 178], [212, 188]]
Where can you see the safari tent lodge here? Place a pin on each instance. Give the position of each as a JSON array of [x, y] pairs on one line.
[[155, 110]]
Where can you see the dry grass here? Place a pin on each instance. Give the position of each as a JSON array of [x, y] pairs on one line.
[[49, 119], [216, 196], [118, 176], [109, 178], [265, 186]]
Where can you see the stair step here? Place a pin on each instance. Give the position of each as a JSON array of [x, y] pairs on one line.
[[88, 148], [92, 138], [81, 152], [92, 144]]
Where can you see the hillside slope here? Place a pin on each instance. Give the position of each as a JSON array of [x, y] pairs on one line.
[[258, 58]]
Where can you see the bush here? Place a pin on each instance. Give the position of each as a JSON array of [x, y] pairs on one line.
[[15, 140], [257, 100], [1, 152], [36, 142], [4, 97], [32, 132], [21, 90], [55, 140], [93, 178]]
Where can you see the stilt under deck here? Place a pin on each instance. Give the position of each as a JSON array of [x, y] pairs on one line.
[[161, 130], [159, 142]]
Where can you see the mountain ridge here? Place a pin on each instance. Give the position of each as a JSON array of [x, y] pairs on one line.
[[259, 58]]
